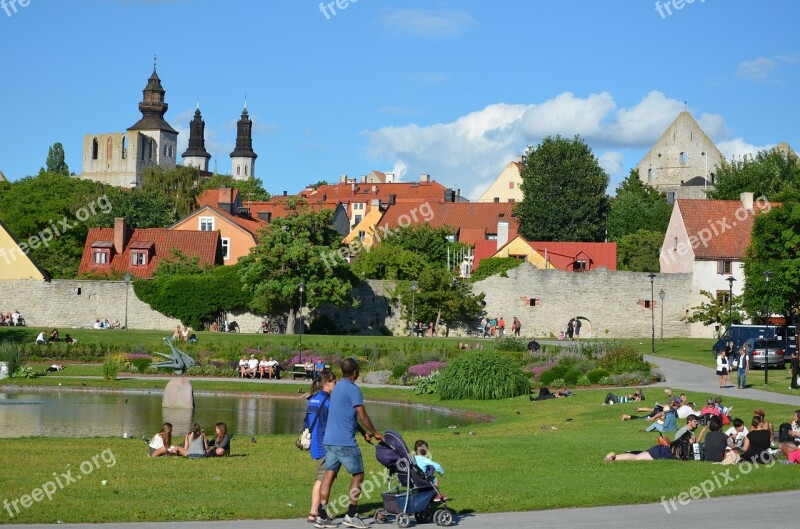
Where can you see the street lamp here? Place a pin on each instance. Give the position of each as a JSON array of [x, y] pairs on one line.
[[730, 281], [652, 277], [413, 294], [767, 277], [662, 295], [127, 287], [302, 288]]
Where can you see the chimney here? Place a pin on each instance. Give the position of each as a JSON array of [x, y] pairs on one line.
[[343, 179], [390, 178], [425, 178], [363, 179], [374, 189], [449, 195], [121, 235], [502, 234], [375, 202], [392, 200], [747, 201], [520, 159]]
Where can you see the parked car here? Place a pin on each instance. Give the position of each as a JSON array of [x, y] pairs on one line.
[[769, 351]]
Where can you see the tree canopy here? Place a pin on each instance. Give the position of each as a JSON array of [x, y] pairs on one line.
[[713, 311], [178, 185], [56, 163], [250, 189], [637, 206], [775, 246], [564, 191], [639, 251], [299, 248], [767, 173], [139, 207]]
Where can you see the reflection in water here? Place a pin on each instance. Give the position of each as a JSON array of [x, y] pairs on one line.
[[79, 414]]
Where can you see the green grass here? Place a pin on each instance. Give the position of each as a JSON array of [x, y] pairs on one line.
[[517, 462]]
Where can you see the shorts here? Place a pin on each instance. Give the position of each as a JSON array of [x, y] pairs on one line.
[[794, 456], [319, 472], [349, 456], [722, 371]]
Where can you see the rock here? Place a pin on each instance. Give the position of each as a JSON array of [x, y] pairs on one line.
[[178, 394], [377, 377]]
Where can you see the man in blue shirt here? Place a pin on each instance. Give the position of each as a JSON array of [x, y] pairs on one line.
[[344, 413]]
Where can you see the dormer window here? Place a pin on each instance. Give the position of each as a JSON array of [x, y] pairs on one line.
[[101, 253], [138, 258], [580, 265]]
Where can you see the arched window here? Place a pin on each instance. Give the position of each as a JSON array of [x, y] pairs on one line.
[[94, 149], [153, 147], [238, 170], [124, 153], [109, 149], [650, 175], [245, 169]]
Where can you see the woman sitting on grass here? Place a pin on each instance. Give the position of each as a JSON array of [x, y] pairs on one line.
[[678, 449], [195, 444], [161, 444], [220, 444]]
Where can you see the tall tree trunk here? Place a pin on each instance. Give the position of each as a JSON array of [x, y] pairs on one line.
[[291, 321]]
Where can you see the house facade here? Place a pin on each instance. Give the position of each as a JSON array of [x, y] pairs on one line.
[[507, 187], [15, 262]]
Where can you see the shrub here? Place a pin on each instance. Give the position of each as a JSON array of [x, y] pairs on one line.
[[423, 370], [624, 359], [12, 355], [399, 370], [584, 381], [482, 375], [547, 377], [595, 375], [111, 367], [509, 343], [558, 383], [140, 361], [571, 377], [493, 266], [23, 372], [427, 385]]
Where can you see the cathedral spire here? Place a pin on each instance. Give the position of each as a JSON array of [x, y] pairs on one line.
[[196, 154], [243, 158], [153, 107]]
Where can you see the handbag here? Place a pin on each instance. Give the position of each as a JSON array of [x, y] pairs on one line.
[[735, 363], [303, 441]]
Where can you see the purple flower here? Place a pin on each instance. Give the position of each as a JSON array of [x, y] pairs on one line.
[[424, 370]]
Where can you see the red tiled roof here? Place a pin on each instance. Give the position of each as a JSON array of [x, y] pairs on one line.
[[214, 197], [363, 192], [203, 244], [483, 250], [562, 254], [722, 226], [472, 221]]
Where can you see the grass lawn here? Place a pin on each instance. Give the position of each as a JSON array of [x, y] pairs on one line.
[[535, 455]]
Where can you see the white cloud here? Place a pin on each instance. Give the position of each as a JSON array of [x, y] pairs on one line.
[[470, 152], [758, 69], [426, 22], [738, 148], [611, 162]]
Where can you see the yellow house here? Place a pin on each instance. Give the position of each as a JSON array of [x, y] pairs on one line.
[[507, 187], [521, 249], [366, 229], [15, 263]]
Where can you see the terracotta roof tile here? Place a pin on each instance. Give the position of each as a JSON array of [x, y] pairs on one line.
[[724, 226], [363, 192]]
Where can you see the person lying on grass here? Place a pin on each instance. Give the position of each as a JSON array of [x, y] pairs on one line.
[[678, 449], [611, 398]]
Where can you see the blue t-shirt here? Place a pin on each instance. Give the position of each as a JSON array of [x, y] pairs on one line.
[[318, 433], [342, 423]]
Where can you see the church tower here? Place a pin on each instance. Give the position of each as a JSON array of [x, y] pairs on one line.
[[243, 159], [196, 154]]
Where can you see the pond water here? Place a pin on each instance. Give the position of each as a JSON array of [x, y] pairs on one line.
[[89, 414]]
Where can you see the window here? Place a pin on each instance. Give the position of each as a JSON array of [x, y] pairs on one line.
[[153, 148], [497, 199], [357, 219], [533, 302], [124, 148], [684, 158], [511, 185], [724, 267], [713, 178], [100, 257], [206, 223], [358, 206], [109, 149], [723, 297], [650, 175], [580, 265], [238, 170], [670, 197], [647, 303], [139, 258], [362, 235], [94, 149], [226, 248], [245, 169]]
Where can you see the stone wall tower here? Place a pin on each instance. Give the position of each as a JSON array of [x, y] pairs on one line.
[[196, 154], [243, 159]]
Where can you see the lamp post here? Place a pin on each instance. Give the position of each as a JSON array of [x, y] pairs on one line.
[[413, 319], [767, 277], [730, 281], [127, 287], [652, 277], [302, 288], [662, 295]]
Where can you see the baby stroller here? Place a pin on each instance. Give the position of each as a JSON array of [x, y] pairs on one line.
[[413, 492]]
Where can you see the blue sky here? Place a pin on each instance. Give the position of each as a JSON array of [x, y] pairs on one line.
[[451, 89]]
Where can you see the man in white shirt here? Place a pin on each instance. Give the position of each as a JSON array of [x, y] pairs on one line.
[[252, 366], [737, 433], [15, 317], [685, 410]]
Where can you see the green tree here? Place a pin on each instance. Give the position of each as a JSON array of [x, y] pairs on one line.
[[425, 240], [386, 261], [493, 266], [637, 206], [249, 189], [714, 311], [639, 252], [55, 161], [319, 184], [51, 213], [441, 299], [178, 185], [767, 173], [564, 191], [292, 250], [140, 209], [775, 246]]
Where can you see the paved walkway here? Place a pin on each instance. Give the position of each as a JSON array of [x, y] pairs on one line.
[[775, 510]]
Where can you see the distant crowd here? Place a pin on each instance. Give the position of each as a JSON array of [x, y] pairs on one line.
[[12, 319]]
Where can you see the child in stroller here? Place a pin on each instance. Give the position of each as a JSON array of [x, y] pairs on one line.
[[422, 457], [414, 491]]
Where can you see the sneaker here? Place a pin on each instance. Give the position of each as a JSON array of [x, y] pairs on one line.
[[325, 523], [354, 522]]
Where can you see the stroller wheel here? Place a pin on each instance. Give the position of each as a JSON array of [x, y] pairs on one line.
[[443, 517], [424, 516], [381, 516], [403, 520]]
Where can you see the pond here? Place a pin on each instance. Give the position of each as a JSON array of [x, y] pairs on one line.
[[139, 413]]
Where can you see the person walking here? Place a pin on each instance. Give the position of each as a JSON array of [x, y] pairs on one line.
[[316, 420], [345, 411], [577, 328], [570, 329], [795, 369], [742, 367]]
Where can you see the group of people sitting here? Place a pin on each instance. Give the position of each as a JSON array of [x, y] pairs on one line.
[[195, 444], [105, 324], [712, 442], [11, 318], [253, 367], [43, 338], [183, 334]]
